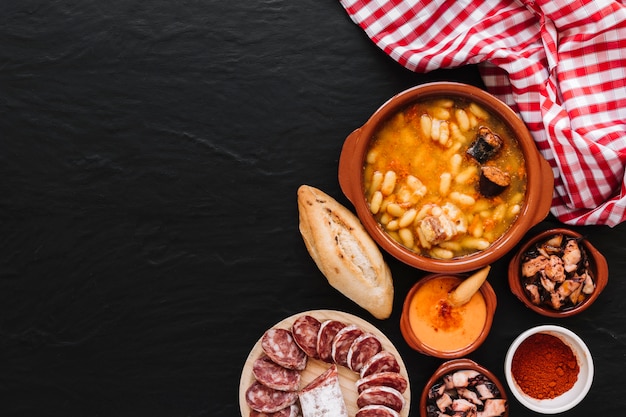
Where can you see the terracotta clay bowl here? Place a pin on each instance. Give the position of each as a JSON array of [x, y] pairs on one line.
[[598, 268], [413, 338], [452, 366], [535, 206]]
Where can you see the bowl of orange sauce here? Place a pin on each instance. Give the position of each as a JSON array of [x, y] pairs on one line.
[[431, 325]]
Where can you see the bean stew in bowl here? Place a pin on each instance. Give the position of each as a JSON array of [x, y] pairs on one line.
[[445, 177]]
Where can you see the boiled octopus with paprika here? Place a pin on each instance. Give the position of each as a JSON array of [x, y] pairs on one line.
[[556, 273], [466, 393]]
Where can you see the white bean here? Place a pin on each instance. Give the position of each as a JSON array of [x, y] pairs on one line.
[[395, 210], [441, 113], [455, 163], [393, 225], [377, 180], [389, 183], [444, 102], [473, 243], [478, 111], [441, 253], [435, 130], [407, 237], [466, 175], [461, 198], [445, 180], [407, 218], [514, 210], [371, 156], [462, 119], [451, 245], [376, 201], [444, 133]]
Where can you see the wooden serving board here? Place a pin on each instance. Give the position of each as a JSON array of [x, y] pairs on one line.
[[315, 367]]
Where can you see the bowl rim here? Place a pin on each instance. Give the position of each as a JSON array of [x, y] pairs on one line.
[[598, 265], [534, 209], [454, 365], [491, 303], [560, 332]]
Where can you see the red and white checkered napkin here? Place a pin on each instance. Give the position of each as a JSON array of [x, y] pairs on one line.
[[561, 64]]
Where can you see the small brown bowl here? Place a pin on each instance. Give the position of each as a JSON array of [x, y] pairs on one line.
[[597, 264], [539, 189], [413, 339], [455, 365]]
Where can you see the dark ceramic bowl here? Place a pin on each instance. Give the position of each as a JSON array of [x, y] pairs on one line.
[[537, 201], [455, 365], [597, 264], [413, 339]]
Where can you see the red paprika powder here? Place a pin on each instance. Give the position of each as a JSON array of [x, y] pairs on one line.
[[544, 366]]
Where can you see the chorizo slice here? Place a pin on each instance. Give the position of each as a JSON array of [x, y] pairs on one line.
[[268, 400], [387, 379], [305, 330], [361, 350], [291, 411], [383, 361], [328, 331], [381, 395], [342, 342], [275, 376], [376, 410], [280, 347]]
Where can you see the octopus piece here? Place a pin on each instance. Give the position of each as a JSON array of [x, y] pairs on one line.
[[571, 255], [588, 285], [460, 379], [444, 402], [533, 266], [469, 395], [533, 291], [493, 407], [463, 406], [485, 390], [547, 283], [554, 269]]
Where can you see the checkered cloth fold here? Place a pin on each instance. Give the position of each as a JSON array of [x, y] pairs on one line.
[[560, 64]]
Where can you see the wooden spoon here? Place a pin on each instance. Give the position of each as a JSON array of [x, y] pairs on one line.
[[466, 289]]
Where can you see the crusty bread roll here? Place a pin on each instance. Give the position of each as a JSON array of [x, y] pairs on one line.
[[344, 252]]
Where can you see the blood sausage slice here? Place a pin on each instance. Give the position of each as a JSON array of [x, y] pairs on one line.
[[342, 342], [323, 397], [291, 411], [383, 361], [268, 400], [376, 410], [361, 350], [386, 396], [280, 346], [325, 337], [387, 379], [305, 330], [275, 376]]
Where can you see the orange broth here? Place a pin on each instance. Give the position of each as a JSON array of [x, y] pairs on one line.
[[417, 165], [439, 325]]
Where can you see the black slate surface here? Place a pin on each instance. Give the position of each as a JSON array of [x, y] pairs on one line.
[[150, 153]]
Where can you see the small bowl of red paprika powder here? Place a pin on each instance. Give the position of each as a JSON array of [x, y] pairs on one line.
[[549, 369]]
